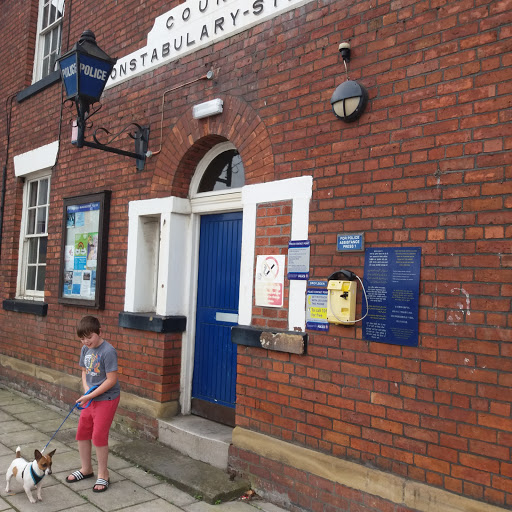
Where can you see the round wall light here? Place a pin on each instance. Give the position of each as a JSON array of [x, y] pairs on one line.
[[349, 100]]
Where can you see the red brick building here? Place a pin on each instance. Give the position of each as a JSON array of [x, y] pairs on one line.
[[172, 257]]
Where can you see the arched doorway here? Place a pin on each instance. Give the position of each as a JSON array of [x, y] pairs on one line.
[[215, 192]]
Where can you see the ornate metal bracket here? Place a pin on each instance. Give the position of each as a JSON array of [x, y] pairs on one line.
[[140, 136]]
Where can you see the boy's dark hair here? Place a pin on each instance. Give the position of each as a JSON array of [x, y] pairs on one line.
[[87, 326]]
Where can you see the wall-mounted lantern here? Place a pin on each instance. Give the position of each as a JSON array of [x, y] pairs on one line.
[[350, 98], [85, 70]]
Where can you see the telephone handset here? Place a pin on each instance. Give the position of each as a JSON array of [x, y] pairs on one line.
[[342, 275], [341, 297]]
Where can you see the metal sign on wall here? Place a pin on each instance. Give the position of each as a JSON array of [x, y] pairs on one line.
[[269, 282], [192, 26], [316, 306], [392, 278]]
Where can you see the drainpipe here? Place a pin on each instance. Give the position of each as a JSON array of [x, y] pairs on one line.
[[4, 170]]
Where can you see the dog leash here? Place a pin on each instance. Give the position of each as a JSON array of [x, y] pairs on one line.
[[77, 406]]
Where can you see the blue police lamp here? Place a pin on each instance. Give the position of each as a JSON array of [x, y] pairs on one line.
[[85, 70]]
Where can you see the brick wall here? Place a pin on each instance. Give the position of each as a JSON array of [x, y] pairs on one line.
[[273, 228], [300, 490], [427, 165]]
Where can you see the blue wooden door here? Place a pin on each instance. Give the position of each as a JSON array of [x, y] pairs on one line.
[[214, 377]]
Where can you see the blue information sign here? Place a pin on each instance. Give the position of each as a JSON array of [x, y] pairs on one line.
[[347, 242], [298, 259], [391, 279], [316, 306]]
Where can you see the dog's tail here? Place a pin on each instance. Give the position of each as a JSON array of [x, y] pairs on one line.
[[18, 452]]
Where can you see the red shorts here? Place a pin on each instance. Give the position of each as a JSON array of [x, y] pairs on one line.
[[95, 421]]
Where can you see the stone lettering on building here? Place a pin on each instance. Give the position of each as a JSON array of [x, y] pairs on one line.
[[192, 26]]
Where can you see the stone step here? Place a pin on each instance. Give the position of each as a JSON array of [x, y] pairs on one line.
[[199, 479], [198, 438]]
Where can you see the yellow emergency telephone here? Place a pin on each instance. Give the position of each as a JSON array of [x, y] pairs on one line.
[[341, 297]]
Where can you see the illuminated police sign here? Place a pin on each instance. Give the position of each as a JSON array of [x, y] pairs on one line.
[[93, 75], [194, 25]]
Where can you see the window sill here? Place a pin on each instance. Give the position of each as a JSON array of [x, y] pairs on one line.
[[33, 307], [38, 86], [152, 322], [280, 341]]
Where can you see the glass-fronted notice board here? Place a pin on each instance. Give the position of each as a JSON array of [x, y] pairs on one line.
[[84, 250], [392, 281]]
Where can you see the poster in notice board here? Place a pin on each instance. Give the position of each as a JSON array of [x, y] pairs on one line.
[[84, 249], [392, 280]]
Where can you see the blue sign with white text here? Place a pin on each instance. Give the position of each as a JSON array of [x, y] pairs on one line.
[[94, 74], [347, 242], [298, 259], [392, 280]]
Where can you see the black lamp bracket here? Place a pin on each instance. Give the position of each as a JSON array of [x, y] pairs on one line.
[[136, 134], [344, 49], [140, 135]]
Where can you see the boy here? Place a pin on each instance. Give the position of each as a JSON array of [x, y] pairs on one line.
[[98, 360]]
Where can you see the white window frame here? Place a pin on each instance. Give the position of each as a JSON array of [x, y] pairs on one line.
[[40, 39], [32, 165], [22, 291]]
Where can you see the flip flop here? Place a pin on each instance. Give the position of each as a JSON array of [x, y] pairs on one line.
[[78, 476], [101, 481]]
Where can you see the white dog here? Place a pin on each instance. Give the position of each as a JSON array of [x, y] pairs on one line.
[[30, 474]]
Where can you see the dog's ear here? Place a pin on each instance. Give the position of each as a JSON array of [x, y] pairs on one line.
[[37, 454], [51, 453]]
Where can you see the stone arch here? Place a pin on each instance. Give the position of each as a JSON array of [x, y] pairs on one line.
[[190, 139]]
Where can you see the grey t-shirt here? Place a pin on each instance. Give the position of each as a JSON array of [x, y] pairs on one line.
[[97, 363]]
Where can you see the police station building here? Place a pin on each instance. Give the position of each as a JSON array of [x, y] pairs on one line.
[[293, 220]]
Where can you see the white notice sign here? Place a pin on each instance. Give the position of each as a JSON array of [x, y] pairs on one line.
[[269, 283]]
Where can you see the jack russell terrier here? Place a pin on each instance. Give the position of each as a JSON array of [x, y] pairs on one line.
[[30, 474]]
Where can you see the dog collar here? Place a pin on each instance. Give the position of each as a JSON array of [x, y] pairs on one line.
[[35, 477]]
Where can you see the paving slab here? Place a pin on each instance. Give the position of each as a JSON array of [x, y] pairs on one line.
[[142, 477], [4, 505], [50, 426], [120, 494], [88, 507], [232, 506], [5, 417], [189, 475], [5, 461], [23, 438], [157, 505], [12, 426], [266, 506], [5, 450], [9, 399], [171, 493], [56, 498], [36, 417], [21, 406]]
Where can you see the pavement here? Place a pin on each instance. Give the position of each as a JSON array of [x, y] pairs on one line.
[[144, 476]]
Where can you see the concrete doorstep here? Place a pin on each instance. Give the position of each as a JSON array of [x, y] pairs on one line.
[[194, 477]]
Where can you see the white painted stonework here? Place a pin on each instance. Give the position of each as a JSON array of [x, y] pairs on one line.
[[193, 25], [298, 190], [39, 158]]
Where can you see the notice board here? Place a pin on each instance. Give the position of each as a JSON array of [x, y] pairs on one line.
[[392, 279]]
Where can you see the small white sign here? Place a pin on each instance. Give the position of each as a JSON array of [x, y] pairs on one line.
[[269, 284]]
